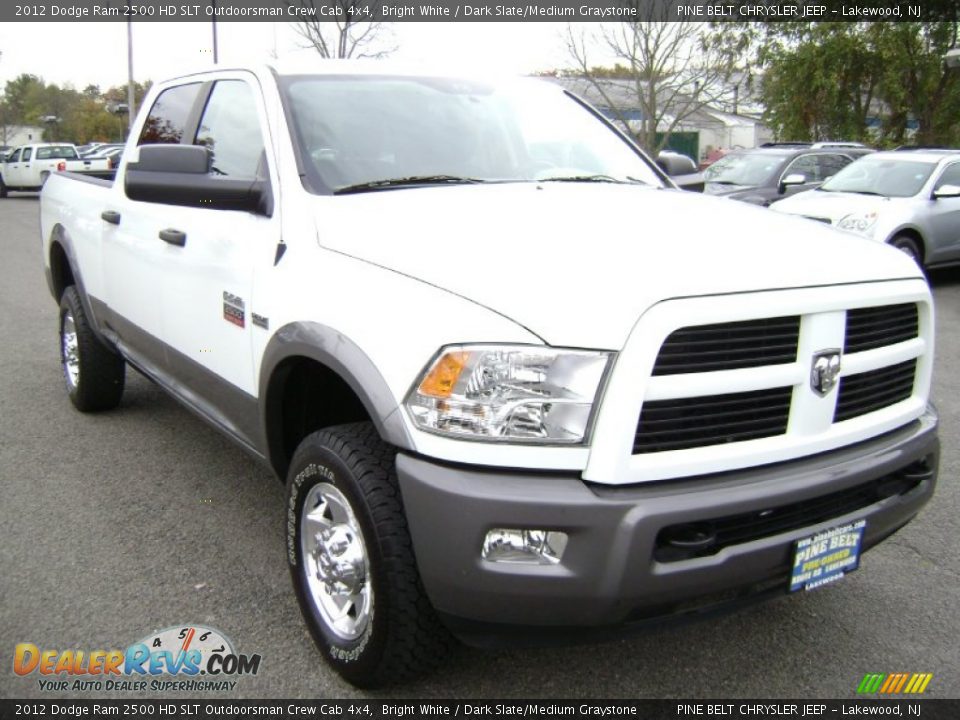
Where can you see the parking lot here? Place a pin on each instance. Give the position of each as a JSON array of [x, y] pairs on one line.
[[117, 525]]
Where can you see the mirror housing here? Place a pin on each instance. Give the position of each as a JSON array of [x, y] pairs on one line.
[[682, 170], [791, 179], [946, 191], [182, 175]]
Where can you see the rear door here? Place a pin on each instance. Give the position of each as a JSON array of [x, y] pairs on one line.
[[23, 171], [132, 249]]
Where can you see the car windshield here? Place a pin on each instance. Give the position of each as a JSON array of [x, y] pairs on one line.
[[881, 176], [358, 133], [750, 169], [57, 152]]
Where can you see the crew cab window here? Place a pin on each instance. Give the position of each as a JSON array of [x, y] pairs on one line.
[[15, 157], [27, 154], [951, 176], [231, 129], [167, 121]]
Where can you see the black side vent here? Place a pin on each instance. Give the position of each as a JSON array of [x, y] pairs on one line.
[[874, 390], [711, 420], [728, 346], [869, 328]]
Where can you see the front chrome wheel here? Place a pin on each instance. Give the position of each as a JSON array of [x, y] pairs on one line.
[[70, 352], [336, 564]]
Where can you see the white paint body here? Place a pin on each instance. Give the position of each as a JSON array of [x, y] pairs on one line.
[[402, 273]]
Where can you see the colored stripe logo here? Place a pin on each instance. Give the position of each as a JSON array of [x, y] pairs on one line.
[[894, 683]]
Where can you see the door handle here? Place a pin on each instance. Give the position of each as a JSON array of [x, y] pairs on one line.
[[174, 237], [110, 216]]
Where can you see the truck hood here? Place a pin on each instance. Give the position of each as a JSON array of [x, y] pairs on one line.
[[832, 206], [578, 263]]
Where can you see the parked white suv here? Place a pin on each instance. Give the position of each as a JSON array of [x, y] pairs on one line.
[[909, 199], [517, 384]]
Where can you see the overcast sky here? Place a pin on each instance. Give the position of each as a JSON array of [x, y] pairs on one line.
[[84, 53]]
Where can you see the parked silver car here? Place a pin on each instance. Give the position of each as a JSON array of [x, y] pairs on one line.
[[908, 198]]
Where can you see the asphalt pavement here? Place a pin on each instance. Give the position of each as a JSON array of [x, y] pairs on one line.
[[116, 525]]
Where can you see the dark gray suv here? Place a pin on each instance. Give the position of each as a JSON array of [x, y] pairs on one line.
[[774, 171]]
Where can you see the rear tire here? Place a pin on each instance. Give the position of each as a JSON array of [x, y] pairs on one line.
[[352, 563], [94, 374], [3, 189], [908, 245]]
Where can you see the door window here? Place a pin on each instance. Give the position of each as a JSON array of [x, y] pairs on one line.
[[27, 154], [230, 127], [830, 165], [951, 176], [15, 157], [805, 165], [167, 121]]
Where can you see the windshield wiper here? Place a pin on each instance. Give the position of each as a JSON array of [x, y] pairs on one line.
[[627, 180], [724, 182], [411, 181]]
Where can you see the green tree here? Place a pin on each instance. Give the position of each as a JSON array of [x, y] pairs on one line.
[[866, 81]]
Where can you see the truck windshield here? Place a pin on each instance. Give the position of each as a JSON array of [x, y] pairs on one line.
[[360, 133], [57, 152]]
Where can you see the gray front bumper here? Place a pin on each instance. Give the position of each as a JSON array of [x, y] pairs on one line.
[[608, 574]]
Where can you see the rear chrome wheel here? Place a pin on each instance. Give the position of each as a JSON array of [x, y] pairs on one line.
[[92, 372]]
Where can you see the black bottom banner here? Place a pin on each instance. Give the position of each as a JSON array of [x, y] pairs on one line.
[[200, 709]]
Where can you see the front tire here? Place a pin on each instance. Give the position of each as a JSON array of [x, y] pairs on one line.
[[352, 563], [94, 373], [908, 245]]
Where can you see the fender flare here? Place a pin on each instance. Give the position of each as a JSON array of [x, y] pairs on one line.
[[60, 236], [336, 351]]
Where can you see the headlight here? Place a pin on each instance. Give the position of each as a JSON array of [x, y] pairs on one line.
[[509, 393], [862, 222]]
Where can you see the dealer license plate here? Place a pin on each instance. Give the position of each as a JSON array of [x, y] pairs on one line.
[[826, 557]]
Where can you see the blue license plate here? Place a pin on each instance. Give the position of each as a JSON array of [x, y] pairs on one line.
[[826, 557]]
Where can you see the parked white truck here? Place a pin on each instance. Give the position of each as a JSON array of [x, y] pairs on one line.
[[27, 167], [517, 384]]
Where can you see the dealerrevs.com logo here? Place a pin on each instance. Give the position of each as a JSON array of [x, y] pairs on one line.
[[182, 658]]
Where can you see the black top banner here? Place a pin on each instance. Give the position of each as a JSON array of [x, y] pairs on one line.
[[202, 709], [478, 10]]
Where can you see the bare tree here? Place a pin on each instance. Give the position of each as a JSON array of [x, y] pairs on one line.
[[669, 71], [349, 37]]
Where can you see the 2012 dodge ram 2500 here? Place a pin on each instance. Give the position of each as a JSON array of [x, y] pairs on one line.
[[517, 384]]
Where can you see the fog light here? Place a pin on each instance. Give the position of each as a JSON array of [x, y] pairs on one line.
[[531, 547]]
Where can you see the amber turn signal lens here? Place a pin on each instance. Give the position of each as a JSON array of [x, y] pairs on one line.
[[444, 374]]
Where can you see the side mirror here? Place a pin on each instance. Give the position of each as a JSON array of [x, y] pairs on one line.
[[682, 170], [792, 179], [183, 175], [946, 191]]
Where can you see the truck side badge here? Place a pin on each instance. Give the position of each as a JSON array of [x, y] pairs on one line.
[[260, 321], [233, 309]]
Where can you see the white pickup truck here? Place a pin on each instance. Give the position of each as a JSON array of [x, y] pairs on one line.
[[27, 167], [517, 384]]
